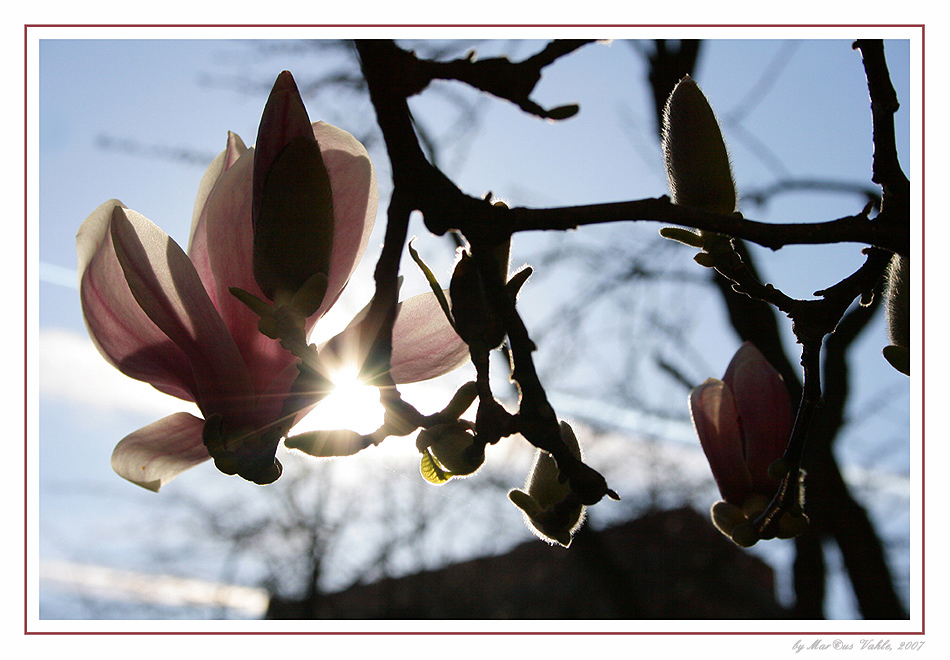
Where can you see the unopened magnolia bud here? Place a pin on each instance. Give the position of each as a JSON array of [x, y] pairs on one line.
[[550, 508], [475, 320], [554, 524], [545, 483], [898, 300], [697, 162], [897, 296]]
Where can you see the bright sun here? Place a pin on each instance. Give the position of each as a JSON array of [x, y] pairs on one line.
[[351, 405]]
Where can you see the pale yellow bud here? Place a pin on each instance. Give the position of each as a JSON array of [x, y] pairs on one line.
[[449, 450], [453, 446]]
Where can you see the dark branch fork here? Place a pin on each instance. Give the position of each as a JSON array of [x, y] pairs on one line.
[[393, 75]]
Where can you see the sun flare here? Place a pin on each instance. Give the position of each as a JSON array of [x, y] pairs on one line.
[[351, 405]]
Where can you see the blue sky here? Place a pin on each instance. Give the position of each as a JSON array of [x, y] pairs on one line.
[[154, 97]]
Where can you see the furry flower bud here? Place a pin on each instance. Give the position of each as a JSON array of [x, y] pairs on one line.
[[898, 314], [697, 162], [551, 509]]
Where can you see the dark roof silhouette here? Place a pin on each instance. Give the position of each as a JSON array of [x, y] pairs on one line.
[[665, 565]]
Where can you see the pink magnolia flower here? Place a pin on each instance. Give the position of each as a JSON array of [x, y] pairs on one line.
[[744, 422], [169, 318]]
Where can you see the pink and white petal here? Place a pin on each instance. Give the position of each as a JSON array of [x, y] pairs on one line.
[[198, 238], [765, 408], [425, 345], [159, 452], [166, 286], [224, 237], [229, 236], [355, 199], [345, 348], [120, 330], [716, 421]]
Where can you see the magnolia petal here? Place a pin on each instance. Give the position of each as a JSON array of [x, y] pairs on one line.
[[424, 343], [198, 238], [355, 198], [164, 282], [229, 237], [716, 420], [120, 330], [224, 236], [765, 409], [159, 452]]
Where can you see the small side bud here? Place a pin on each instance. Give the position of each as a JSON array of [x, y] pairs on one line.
[[685, 236], [790, 526], [461, 400], [778, 469], [328, 444], [563, 111], [754, 505], [248, 454], [726, 517]]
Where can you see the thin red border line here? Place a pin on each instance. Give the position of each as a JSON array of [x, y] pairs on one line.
[[923, 333], [26, 29], [475, 25], [483, 633], [923, 381], [26, 160]]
